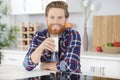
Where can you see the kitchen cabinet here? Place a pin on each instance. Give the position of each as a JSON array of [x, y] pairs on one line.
[[38, 6], [17, 6], [34, 6], [46, 2], [74, 5], [101, 67], [101, 64], [13, 57], [92, 63], [26, 7], [119, 68]]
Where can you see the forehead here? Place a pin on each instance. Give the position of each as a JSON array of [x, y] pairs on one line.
[[56, 11]]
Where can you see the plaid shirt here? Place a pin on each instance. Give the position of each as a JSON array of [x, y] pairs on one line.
[[69, 51]]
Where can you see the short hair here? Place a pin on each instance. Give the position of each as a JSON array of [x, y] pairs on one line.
[[57, 4]]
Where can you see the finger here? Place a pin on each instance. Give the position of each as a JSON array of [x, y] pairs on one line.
[[51, 43], [49, 47], [50, 39]]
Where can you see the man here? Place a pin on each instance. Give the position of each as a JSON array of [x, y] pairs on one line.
[[42, 44]]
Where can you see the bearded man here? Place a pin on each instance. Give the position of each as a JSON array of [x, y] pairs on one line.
[[42, 45]]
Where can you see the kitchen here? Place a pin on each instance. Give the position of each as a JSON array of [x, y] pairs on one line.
[[106, 7]]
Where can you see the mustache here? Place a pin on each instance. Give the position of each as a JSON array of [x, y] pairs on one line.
[[58, 30], [55, 24]]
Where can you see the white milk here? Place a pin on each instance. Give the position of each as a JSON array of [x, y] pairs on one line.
[[56, 42]]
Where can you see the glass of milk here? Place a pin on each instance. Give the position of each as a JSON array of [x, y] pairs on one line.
[[54, 56], [56, 43]]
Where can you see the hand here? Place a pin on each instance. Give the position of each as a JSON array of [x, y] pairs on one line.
[[47, 44]]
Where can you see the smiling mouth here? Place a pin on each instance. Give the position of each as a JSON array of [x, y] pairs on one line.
[[55, 27]]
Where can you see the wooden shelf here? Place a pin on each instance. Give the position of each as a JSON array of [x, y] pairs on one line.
[[26, 33]]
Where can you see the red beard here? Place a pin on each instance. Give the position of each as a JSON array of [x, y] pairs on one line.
[[58, 30]]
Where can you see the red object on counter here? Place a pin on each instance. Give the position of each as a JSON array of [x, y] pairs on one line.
[[116, 44], [99, 49]]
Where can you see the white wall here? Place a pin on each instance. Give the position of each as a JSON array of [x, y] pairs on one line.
[[103, 7]]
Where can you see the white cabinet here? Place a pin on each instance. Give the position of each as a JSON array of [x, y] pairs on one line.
[[101, 64], [46, 2], [74, 5], [13, 57], [38, 6], [119, 69], [34, 6], [26, 7], [100, 67], [17, 6]]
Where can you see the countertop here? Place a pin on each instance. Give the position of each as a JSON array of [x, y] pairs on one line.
[[12, 72], [84, 54], [18, 71], [101, 55]]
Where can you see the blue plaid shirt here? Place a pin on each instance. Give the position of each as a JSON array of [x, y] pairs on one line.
[[69, 51]]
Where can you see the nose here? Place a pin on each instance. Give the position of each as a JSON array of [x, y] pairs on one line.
[[56, 21]]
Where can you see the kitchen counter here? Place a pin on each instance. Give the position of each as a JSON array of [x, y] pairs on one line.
[[12, 72], [101, 55], [12, 67], [87, 54], [101, 63]]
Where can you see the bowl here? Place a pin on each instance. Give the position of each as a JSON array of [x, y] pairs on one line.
[[111, 49]]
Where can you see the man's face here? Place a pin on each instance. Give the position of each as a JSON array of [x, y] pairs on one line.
[[56, 21]]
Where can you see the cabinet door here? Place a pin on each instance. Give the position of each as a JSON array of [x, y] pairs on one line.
[[46, 2], [17, 6], [13, 58], [74, 5], [34, 6], [95, 66], [119, 69], [38, 6]]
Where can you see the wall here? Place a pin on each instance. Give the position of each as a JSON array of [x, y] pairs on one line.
[[103, 7]]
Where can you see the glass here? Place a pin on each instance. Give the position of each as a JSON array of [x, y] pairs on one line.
[[54, 56]]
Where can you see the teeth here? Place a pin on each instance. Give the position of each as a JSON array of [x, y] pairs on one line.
[[55, 27]]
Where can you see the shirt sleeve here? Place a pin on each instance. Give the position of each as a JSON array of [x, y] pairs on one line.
[[28, 63], [71, 63]]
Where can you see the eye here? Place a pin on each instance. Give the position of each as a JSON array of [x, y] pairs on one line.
[[52, 17]]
